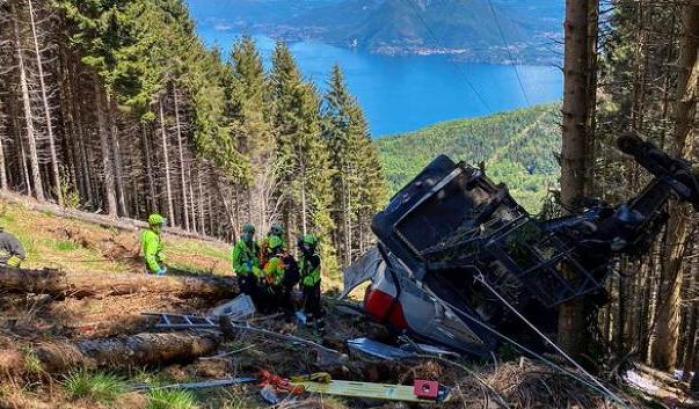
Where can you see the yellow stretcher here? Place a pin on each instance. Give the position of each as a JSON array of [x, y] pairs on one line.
[[368, 390]]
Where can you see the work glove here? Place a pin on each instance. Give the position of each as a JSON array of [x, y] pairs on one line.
[[14, 262], [162, 272]]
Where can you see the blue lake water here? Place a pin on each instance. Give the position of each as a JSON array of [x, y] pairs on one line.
[[401, 94]]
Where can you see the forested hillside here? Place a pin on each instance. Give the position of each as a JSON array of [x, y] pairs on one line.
[[518, 148], [117, 107]]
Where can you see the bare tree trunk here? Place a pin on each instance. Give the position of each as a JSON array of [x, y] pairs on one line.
[[577, 107], [149, 168], [25, 167], [107, 166], [304, 208], [47, 109], [200, 188], [166, 159], [82, 149], [227, 207], [621, 319], [183, 180], [28, 117], [667, 330], [116, 151], [3, 169], [191, 196]]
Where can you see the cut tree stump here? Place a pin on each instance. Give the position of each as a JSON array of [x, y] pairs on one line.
[[138, 351], [87, 285]]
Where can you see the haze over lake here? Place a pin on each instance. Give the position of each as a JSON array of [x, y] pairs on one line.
[[401, 94]]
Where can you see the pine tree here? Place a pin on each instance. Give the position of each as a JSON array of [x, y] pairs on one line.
[[246, 90], [358, 181], [302, 159]]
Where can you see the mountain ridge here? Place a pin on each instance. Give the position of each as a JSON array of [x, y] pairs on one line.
[[492, 31]]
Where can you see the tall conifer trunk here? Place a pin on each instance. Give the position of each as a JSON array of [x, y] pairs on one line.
[[577, 108], [107, 164], [47, 108], [116, 152], [667, 330], [183, 179], [28, 117], [166, 164]]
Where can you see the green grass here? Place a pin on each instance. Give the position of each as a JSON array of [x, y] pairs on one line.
[[98, 387], [510, 144], [64, 245], [171, 399]]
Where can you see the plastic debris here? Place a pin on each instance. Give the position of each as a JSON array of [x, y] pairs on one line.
[[301, 317], [240, 308], [269, 394]]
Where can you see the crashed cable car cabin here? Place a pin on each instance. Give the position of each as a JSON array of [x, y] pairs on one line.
[[457, 255]]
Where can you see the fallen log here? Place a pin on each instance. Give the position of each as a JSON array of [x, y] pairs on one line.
[[31, 281], [87, 285], [138, 351]]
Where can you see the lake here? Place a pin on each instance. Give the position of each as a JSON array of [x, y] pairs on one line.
[[401, 94]]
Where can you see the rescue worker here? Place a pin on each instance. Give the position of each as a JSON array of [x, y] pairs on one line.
[[12, 252], [152, 245], [246, 262], [277, 230], [281, 274], [309, 268]]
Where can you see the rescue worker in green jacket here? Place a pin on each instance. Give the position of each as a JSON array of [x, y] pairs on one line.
[[281, 274], [309, 268], [246, 263], [152, 245], [277, 230], [12, 252]]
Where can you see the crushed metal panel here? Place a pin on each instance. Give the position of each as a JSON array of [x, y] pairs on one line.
[[362, 270], [378, 349], [240, 308], [427, 349]]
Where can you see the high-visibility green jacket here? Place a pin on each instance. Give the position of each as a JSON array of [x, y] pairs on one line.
[[274, 271], [246, 259], [152, 247], [310, 270], [265, 250]]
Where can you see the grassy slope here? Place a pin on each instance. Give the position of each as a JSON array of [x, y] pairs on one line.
[[508, 143], [76, 246]]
